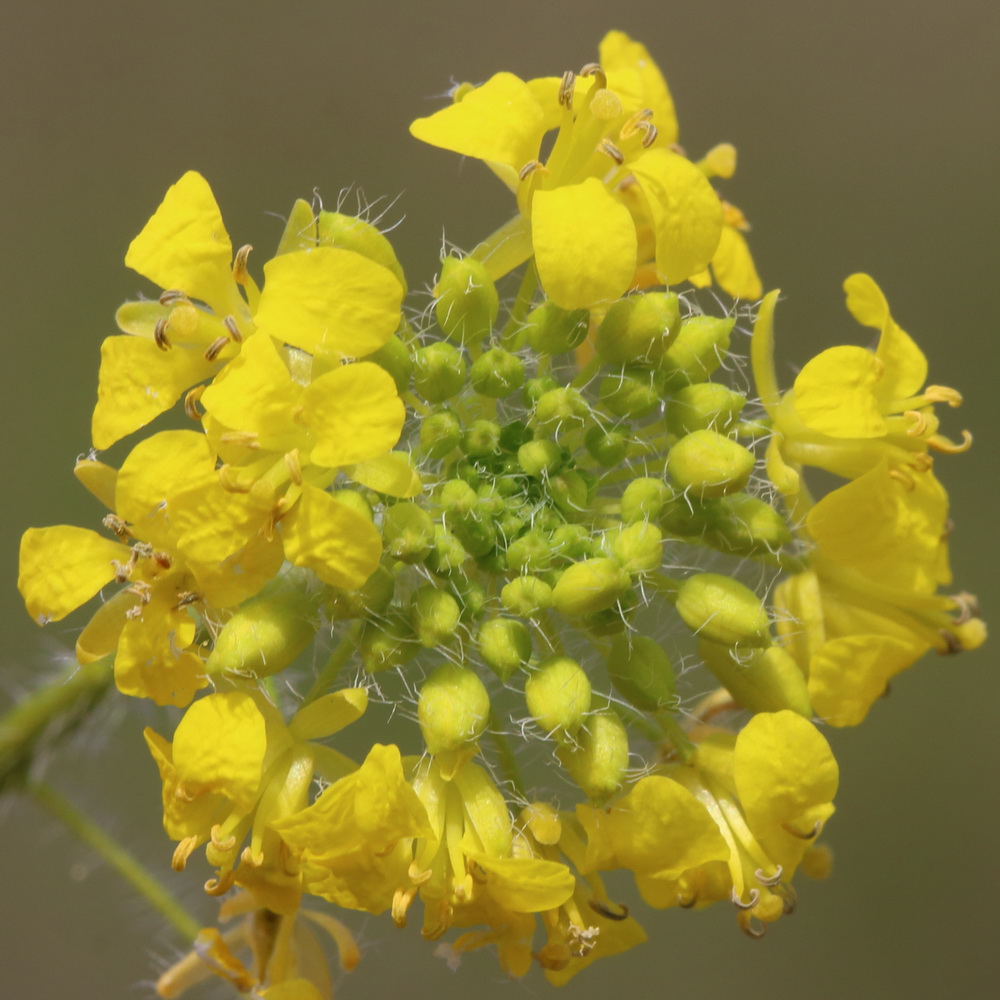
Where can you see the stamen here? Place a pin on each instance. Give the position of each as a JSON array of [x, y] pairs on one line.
[[919, 422], [182, 852], [902, 477], [687, 902], [749, 904], [185, 598], [220, 886], [594, 69], [640, 122], [968, 607], [190, 401], [529, 168], [162, 560], [220, 843], [230, 479], [234, 331], [751, 926], [215, 348], [607, 147], [601, 907], [243, 439], [170, 296], [811, 835], [160, 334], [240, 273], [566, 86], [401, 900], [952, 643], [943, 394], [769, 880], [116, 525], [294, 463], [940, 443]]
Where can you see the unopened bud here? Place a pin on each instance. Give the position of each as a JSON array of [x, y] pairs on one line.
[[505, 645], [386, 643], [639, 548], [558, 695], [535, 388], [639, 328], [700, 347], [453, 708], [434, 615], [745, 524], [704, 406], [572, 541], [394, 357], [337, 230], [631, 394], [407, 532], [530, 553], [709, 464], [644, 500], [641, 673], [356, 502], [497, 373], [598, 756], [457, 497], [551, 330], [539, 458], [526, 596], [723, 610], [438, 371], [481, 438], [447, 553], [561, 409], [440, 433], [589, 586], [570, 491], [606, 447], [269, 631], [768, 682], [467, 303], [371, 598]]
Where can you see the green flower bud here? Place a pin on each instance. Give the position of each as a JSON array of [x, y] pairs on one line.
[[438, 371], [447, 553], [491, 502], [386, 643], [610, 621], [644, 500], [723, 610], [372, 598], [481, 438], [350, 233], [531, 553], [558, 695], [505, 645], [407, 532], [394, 357], [709, 465], [686, 516], [440, 433], [453, 708], [570, 492], [539, 458], [551, 330], [467, 302], [699, 348], [434, 615], [477, 534], [497, 373], [638, 328], [471, 596], [535, 388], [641, 673], [639, 548], [457, 497], [768, 682], [514, 434], [526, 596], [354, 500], [589, 586], [631, 394], [704, 406], [598, 756], [267, 632], [745, 524], [606, 447], [561, 409], [572, 541]]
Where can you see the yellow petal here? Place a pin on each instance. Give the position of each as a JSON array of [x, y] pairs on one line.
[[185, 245], [488, 829], [734, 267], [526, 885], [62, 567], [138, 381], [98, 478], [339, 545], [240, 575], [329, 714], [182, 817], [617, 52], [500, 121], [905, 364], [100, 635], [687, 213], [300, 229], [836, 393], [256, 393], [847, 675], [391, 474], [331, 300], [585, 244], [355, 413]]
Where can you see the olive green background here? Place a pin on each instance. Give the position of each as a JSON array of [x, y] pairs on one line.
[[868, 140]]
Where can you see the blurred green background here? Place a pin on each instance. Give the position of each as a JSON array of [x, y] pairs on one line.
[[868, 140]]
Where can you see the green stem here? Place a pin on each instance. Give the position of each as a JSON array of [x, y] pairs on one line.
[[118, 858], [508, 762], [525, 296], [340, 655]]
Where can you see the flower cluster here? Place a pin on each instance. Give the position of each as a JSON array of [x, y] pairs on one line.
[[532, 535]]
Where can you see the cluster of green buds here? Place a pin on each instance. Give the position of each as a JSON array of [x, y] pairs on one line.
[[553, 536]]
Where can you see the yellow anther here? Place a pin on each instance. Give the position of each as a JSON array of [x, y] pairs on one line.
[[803, 835], [294, 463], [191, 400], [220, 886], [230, 479], [732, 216], [640, 122], [529, 168], [919, 421], [242, 439], [182, 852], [943, 394], [116, 524], [234, 331], [605, 910], [595, 70], [240, 273], [160, 334], [607, 147], [401, 901], [566, 87], [221, 843], [967, 606], [215, 348], [940, 443], [171, 296], [900, 476]]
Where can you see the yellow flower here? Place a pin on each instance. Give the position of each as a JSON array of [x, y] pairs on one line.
[[733, 823], [322, 299], [236, 769], [615, 123]]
